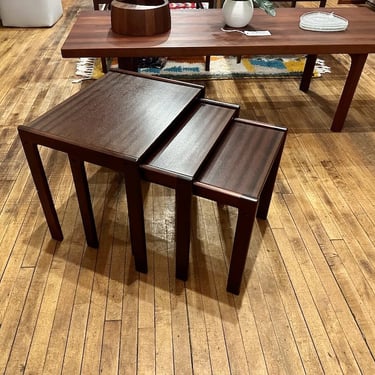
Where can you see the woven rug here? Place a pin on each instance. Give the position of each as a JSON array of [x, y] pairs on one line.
[[221, 67], [226, 67]]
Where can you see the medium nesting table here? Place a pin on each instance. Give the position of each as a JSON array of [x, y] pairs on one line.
[[113, 123]]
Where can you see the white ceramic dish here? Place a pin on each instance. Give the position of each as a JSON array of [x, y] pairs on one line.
[[323, 21]]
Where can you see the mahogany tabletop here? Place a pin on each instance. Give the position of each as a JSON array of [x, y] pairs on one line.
[[198, 32], [108, 118]]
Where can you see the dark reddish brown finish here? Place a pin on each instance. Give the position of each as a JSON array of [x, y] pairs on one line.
[[190, 144], [117, 133], [244, 171], [197, 33]]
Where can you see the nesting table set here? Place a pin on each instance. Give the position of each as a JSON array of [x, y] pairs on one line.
[[166, 132]]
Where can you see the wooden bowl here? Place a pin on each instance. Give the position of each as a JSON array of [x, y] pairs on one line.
[[140, 18]]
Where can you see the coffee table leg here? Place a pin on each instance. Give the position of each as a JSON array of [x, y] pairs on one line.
[[355, 71], [84, 200], [308, 72], [128, 63], [136, 217], [41, 183]]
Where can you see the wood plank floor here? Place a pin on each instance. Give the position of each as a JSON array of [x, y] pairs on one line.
[[308, 295]]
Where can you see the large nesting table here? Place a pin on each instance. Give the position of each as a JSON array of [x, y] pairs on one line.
[[198, 33], [117, 133]]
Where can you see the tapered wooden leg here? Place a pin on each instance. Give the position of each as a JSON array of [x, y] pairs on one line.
[[244, 227], [128, 63], [136, 217], [104, 65], [355, 71], [84, 200], [266, 195], [308, 72], [183, 225], [207, 63], [41, 183]]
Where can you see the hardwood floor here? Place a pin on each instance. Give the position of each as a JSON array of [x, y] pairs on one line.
[[308, 296]]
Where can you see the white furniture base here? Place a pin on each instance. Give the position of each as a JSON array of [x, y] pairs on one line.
[[30, 13]]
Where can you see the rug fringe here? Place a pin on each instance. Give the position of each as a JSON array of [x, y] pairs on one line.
[[88, 68], [321, 67], [85, 67]]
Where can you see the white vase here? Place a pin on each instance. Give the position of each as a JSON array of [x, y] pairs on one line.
[[238, 13]]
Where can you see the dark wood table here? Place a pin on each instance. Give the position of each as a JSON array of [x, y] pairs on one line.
[[117, 133], [198, 33]]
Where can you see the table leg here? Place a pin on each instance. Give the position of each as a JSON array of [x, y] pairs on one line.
[[244, 228], [266, 195], [207, 63], [136, 217], [41, 183], [308, 72], [355, 71], [84, 200], [104, 65], [183, 225], [128, 63]]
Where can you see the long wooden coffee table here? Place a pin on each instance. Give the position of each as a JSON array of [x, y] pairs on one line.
[[198, 33]]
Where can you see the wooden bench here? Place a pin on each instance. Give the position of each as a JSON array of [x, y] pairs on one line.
[[236, 167]]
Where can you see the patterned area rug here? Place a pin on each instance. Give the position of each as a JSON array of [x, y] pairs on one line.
[[221, 67], [226, 67]]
